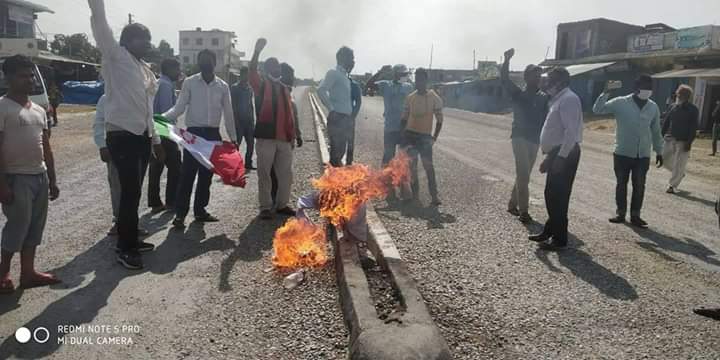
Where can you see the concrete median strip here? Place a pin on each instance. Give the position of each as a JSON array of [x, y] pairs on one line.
[[412, 335]]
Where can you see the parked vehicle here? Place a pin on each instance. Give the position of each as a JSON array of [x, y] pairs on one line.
[[39, 94]]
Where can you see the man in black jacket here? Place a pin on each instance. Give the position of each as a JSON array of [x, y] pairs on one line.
[[716, 127], [679, 130]]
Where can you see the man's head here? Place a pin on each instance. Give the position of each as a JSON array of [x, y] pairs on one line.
[[532, 76], [643, 86], [421, 80], [136, 39], [19, 74], [244, 75], [684, 94], [558, 79], [272, 68], [171, 69], [346, 58], [400, 72], [287, 76], [207, 60]]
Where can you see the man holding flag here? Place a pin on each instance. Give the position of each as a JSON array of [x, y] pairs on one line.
[[205, 99]]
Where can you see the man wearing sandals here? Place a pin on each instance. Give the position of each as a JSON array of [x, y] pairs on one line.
[[27, 175]]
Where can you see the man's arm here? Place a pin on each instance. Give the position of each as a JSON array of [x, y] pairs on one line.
[[323, 90], [253, 74], [604, 107], [50, 163], [571, 117], [102, 33], [372, 82], [6, 195], [439, 116], [181, 104], [693, 126], [163, 98], [656, 133], [296, 119], [229, 115], [507, 84]]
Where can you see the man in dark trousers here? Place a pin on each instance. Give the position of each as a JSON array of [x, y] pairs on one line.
[[715, 128], [530, 107], [335, 93], [560, 142], [244, 111], [164, 100]]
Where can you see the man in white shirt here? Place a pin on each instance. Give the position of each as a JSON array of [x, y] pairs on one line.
[[560, 142], [207, 101], [130, 86], [335, 93]]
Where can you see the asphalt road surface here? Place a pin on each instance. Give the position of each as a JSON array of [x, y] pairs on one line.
[[616, 293], [205, 292]]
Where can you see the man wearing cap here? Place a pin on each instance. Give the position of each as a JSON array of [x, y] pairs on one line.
[[394, 93], [530, 107]]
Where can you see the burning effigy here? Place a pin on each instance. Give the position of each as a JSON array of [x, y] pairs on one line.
[[340, 196]]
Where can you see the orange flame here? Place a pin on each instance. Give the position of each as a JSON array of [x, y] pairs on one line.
[[343, 190], [299, 244]]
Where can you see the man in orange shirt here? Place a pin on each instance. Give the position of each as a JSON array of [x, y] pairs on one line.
[[418, 137]]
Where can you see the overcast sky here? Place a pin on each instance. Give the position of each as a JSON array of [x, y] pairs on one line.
[[306, 33]]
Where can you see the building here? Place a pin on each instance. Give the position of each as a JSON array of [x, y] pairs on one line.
[[229, 59], [479, 95], [591, 51], [436, 76]]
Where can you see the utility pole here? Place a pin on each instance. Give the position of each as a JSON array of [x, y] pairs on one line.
[[474, 61], [432, 48], [130, 19]]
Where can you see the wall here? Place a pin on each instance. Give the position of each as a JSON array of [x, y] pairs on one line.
[[189, 49], [476, 96], [592, 37]]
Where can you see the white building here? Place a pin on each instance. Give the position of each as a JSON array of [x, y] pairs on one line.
[[192, 42]]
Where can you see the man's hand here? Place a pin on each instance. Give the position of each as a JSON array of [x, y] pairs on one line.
[[105, 155], [260, 45], [236, 145], [544, 165], [558, 164], [688, 147], [6, 195], [159, 152], [54, 191], [299, 142], [434, 140], [659, 161], [509, 54]]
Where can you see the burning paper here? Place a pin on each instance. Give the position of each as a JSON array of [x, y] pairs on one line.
[[299, 244]]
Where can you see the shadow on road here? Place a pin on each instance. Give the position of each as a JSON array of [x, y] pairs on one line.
[[582, 265], [658, 242], [256, 238], [82, 305], [688, 196], [432, 214]]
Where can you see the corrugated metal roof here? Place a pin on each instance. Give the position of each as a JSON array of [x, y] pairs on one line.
[[46, 55], [29, 5], [688, 73], [575, 70]]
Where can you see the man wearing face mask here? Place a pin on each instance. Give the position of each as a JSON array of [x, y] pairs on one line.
[[274, 134], [205, 101], [394, 93], [638, 133], [335, 93], [560, 140], [679, 130], [130, 87]]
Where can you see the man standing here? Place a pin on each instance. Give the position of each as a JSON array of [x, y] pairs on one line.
[[394, 93], [244, 111], [164, 100], [27, 175], [715, 128], [530, 107], [417, 119], [274, 133], [335, 93], [560, 142], [55, 97], [356, 98], [130, 86], [206, 98], [679, 130], [638, 132], [287, 77]]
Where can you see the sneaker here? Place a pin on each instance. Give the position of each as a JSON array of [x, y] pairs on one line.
[[670, 190], [514, 211], [266, 215], [130, 260], [637, 221], [157, 209], [145, 247], [617, 220], [541, 237], [207, 218], [525, 218], [287, 211], [113, 230], [179, 222], [552, 245], [143, 232], [707, 312]]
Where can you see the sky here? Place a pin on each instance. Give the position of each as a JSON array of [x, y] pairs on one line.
[[307, 33]]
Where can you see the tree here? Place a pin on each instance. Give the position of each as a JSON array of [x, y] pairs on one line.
[[75, 46], [165, 49], [157, 54]]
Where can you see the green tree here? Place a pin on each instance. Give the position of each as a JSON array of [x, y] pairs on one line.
[[165, 49], [75, 46]]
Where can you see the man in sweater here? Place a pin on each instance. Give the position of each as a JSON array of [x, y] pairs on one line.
[[679, 130]]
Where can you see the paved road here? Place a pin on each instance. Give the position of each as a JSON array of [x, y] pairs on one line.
[[204, 294], [616, 293]]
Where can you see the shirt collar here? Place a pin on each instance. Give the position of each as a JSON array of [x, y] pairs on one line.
[[341, 69], [561, 93]]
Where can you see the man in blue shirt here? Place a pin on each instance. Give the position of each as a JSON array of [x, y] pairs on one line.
[[335, 93], [164, 100], [638, 130], [244, 111], [394, 93]]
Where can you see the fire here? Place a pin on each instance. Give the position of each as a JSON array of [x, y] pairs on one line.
[[343, 190], [299, 244]]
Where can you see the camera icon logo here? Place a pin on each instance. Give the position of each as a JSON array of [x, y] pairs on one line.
[[41, 335]]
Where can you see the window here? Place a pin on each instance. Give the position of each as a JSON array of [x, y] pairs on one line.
[[186, 59], [199, 41], [186, 41], [216, 42]]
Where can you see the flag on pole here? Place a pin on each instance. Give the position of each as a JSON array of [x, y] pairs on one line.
[[220, 157]]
